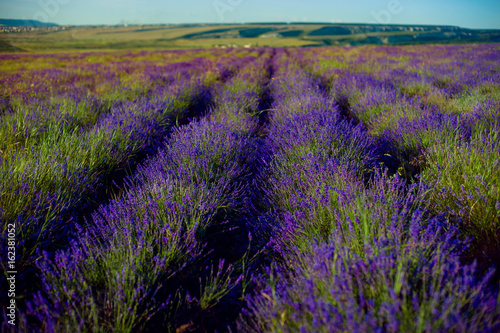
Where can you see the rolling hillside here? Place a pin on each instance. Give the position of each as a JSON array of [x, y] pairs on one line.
[[45, 39]]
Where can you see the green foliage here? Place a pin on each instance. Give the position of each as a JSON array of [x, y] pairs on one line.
[[29, 125], [465, 180]]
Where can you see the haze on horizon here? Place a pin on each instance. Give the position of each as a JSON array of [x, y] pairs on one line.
[[479, 14]]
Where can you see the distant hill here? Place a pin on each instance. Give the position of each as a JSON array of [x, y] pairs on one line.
[[34, 23], [49, 38], [352, 34]]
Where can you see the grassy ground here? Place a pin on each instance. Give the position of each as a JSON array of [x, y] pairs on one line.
[[208, 36], [113, 38]]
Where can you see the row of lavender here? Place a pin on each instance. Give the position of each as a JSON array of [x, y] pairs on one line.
[[53, 172], [439, 119], [146, 259], [345, 187], [356, 250]]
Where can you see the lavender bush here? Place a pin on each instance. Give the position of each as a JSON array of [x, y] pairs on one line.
[[267, 189]]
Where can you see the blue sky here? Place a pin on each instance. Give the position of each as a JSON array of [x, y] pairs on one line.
[[464, 13]]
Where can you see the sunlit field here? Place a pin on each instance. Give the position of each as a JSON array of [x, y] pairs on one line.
[[334, 189]]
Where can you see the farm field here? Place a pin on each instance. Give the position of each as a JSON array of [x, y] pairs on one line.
[[156, 37], [325, 189]]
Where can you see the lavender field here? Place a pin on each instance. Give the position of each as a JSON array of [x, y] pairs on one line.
[[329, 189]]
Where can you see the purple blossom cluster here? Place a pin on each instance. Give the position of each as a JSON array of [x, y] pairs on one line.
[[261, 190], [138, 247], [54, 182], [354, 254], [136, 262]]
